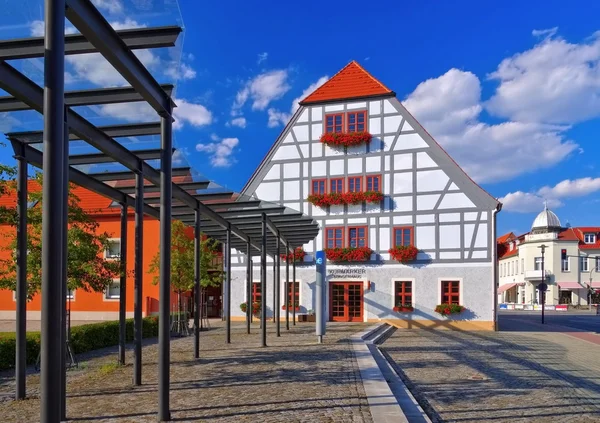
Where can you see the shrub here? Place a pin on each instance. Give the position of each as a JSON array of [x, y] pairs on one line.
[[84, 338], [447, 309]]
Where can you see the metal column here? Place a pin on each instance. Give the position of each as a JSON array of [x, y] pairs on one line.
[[197, 288], [294, 287], [138, 274], [21, 291], [164, 302], [248, 288], [274, 288], [123, 285], [52, 209], [65, 289], [287, 289], [263, 281], [278, 285], [227, 302]]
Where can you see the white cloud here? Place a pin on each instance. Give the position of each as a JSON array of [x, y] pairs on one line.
[[554, 82], [186, 112], [180, 156], [449, 107], [544, 33], [262, 90], [111, 6], [8, 122], [277, 117], [221, 153], [181, 71], [262, 57], [525, 202], [37, 28], [239, 121]]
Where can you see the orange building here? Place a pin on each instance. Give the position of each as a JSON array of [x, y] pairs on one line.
[[104, 305]]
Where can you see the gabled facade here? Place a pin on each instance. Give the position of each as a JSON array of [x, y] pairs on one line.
[[428, 201]]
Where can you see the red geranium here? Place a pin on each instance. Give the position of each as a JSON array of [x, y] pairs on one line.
[[298, 254], [447, 309], [336, 199], [348, 254], [404, 253], [349, 139]]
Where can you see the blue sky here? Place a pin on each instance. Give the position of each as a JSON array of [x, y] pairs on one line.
[[511, 90]]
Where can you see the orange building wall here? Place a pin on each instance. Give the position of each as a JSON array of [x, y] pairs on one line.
[[94, 305]]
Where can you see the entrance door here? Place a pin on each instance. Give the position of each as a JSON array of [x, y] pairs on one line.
[[346, 301]]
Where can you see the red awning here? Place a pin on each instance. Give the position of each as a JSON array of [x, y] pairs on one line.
[[505, 287], [570, 285]]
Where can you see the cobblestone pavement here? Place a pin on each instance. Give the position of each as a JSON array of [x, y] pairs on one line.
[[499, 377], [293, 380]]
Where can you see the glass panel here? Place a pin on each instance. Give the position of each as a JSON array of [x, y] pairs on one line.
[[114, 290], [354, 300], [114, 249]]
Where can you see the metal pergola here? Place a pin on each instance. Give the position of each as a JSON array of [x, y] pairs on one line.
[[240, 222]]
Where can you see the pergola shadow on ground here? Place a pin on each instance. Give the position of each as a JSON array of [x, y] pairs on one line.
[[295, 379], [239, 222]]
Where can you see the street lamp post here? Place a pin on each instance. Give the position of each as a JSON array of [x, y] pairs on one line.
[[542, 287]]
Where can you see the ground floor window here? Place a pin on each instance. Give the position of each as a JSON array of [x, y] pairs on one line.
[[256, 292], [114, 290], [595, 296], [290, 293], [402, 293], [450, 292], [565, 297]]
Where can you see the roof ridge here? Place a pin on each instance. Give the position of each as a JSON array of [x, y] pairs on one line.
[[369, 74]]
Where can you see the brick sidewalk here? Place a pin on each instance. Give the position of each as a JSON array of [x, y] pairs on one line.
[[500, 377], [293, 380]]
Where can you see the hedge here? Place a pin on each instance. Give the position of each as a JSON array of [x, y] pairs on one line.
[[84, 338]]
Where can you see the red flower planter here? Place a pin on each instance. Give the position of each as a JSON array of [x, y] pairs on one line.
[[448, 309], [348, 254], [298, 254], [349, 139], [283, 307], [337, 199], [404, 253], [404, 309]]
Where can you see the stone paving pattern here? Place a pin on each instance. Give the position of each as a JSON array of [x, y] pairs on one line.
[[292, 380], [499, 377]]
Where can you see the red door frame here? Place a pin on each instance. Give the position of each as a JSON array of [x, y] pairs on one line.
[[346, 317]]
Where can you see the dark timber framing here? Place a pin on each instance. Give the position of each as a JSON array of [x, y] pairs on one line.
[[290, 228]]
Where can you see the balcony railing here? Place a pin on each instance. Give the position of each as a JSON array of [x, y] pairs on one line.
[[535, 274]]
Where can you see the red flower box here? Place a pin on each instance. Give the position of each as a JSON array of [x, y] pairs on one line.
[[337, 199], [448, 309], [298, 254], [404, 309], [284, 307], [348, 254], [349, 139], [404, 253]]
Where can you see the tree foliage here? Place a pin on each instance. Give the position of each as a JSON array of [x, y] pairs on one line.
[[87, 268]]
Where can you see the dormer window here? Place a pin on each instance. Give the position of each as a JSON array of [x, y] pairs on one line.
[[511, 246], [589, 238]]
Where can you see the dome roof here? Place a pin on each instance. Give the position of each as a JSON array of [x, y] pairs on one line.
[[546, 220]]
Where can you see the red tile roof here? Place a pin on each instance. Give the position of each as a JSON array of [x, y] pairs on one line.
[[353, 81], [506, 237]]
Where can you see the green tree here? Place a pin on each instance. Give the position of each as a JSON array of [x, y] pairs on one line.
[[182, 262], [86, 267]]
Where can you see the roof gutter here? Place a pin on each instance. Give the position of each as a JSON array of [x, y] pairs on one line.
[[495, 263]]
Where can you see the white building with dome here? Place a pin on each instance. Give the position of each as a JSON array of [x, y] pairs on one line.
[[571, 263]]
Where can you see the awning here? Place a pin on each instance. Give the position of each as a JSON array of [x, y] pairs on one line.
[[506, 287], [570, 285]]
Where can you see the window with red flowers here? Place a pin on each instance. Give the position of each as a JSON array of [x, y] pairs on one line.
[[291, 287], [373, 183], [355, 184], [357, 121], [318, 186], [336, 185], [402, 293], [334, 237], [450, 292], [256, 292], [403, 236], [334, 123], [357, 236]]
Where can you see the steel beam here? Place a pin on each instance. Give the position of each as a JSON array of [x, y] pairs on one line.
[[123, 285], [249, 301], [65, 289], [263, 282], [228, 287], [21, 291], [287, 291], [138, 280], [137, 38], [278, 287], [164, 302], [113, 131], [52, 106], [293, 289], [94, 27], [153, 189], [98, 158], [197, 287], [129, 175], [91, 97]]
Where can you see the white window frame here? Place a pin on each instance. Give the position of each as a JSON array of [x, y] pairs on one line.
[[584, 264], [412, 281], [589, 238], [460, 289], [71, 295], [109, 257], [597, 263], [522, 266], [517, 267], [114, 297], [535, 263], [566, 268]]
